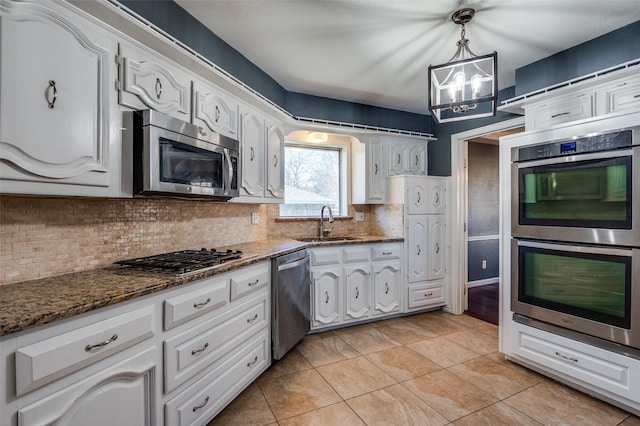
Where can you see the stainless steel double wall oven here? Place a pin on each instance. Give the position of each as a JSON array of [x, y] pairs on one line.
[[575, 218]]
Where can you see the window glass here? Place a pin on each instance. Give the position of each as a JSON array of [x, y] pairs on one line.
[[312, 178]]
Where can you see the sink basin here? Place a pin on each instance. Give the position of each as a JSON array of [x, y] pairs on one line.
[[327, 239]]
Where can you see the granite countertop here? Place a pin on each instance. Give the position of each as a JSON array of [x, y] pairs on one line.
[[28, 304]]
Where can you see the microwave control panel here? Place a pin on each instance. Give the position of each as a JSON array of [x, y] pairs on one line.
[[579, 145]]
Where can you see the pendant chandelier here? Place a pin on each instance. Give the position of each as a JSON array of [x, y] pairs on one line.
[[466, 86]]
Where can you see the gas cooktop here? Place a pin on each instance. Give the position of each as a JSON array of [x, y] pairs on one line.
[[182, 262]]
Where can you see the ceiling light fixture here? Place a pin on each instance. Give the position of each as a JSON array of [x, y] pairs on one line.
[[318, 137], [466, 86]]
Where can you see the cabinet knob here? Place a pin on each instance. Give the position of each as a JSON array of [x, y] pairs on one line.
[[52, 88]]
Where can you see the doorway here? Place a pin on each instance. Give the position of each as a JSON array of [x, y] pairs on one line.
[[475, 256]]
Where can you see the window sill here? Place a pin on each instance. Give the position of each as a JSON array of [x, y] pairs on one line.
[[310, 219]]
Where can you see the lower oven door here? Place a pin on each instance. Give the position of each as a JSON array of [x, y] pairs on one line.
[[592, 290]]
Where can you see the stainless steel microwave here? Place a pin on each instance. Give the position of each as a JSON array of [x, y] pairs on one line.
[[178, 159]]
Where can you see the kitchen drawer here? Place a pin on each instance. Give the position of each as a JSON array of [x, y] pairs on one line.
[[622, 97], [425, 296], [606, 370], [356, 253], [325, 256], [561, 110], [387, 251], [180, 309], [209, 395], [190, 352], [249, 279], [51, 359]]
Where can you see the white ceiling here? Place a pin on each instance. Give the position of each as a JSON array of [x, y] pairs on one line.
[[377, 52]]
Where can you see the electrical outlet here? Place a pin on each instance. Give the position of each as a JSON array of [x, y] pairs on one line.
[[359, 216], [255, 218], [484, 264]]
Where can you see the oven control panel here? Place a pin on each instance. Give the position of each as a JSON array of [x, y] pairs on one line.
[[578, 145]]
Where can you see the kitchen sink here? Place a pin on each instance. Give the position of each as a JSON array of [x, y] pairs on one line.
[[328, 239]]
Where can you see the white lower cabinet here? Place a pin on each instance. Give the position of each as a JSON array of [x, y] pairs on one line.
[[616, 375], [124, 365], [352, 283]]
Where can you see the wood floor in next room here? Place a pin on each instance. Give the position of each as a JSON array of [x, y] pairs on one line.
[[427, 369], [484, 302]]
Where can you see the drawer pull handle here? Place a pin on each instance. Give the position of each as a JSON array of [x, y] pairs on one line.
[[89, 348], [566, 357], [52, 85], [357, 293], [197, 305], [250, 320], [197, 407], [560, 114], [251, 284], [386, 288], [195, 351], [387, 253], [636, 96], [250, 363], [326, 293], [428, 294], [158, 88]]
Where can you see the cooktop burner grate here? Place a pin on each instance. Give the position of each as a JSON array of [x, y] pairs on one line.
[[181, 262]]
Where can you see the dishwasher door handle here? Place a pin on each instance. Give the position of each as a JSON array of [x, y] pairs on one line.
[[292, 264]]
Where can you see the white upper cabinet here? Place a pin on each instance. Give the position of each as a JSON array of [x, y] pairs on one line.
[[54, 108], [275, 161], [147, 81], [407, 158], [398, 158], [417, 159], [262, 152], [214, 110]]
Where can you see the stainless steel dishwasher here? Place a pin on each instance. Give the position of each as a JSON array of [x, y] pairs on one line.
[[291, 297]]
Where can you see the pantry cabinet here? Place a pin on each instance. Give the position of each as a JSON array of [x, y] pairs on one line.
[[56, 72], [425, 238]]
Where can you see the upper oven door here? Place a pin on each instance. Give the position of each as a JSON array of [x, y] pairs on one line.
[[584, 198]]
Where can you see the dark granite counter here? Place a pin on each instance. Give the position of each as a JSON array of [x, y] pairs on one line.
[[28, 304]]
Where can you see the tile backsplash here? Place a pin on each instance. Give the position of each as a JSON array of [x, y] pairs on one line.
[[49, 236]]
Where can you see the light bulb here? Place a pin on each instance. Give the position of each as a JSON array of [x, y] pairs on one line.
[[476, 83], [452, 91], [459, 78]]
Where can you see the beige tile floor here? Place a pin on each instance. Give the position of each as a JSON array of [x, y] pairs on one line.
[[427, 369]]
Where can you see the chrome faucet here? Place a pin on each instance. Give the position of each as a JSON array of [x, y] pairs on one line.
[[324, 232]]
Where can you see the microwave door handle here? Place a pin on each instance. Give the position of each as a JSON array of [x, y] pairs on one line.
[[229, 173]]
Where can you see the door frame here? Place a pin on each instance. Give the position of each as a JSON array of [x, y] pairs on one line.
[[457, 202]]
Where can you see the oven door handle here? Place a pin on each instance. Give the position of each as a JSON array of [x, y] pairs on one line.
[[576, 248], [576, 158]]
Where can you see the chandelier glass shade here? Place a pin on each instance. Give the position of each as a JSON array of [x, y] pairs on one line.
[[466, 87]]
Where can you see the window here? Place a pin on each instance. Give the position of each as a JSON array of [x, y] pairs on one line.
[[313, 176]]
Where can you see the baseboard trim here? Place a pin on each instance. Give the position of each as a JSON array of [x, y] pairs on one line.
[[480, 283]]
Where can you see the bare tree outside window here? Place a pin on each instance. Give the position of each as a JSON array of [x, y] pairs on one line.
[[312, 179]]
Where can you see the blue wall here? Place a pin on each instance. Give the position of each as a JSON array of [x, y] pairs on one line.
[[608, 50]]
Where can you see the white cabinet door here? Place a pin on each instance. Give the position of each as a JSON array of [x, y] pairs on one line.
[[357, 284], [387, 288], [120, 395], [398, 159], [326, 292], [275, 161], [435, 256], [54, 108], [417, 159], [252, 135], [417, 248], [214, 110], [436, 195], [375, 173], [564, 109], [417, 198], [147, 81]]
